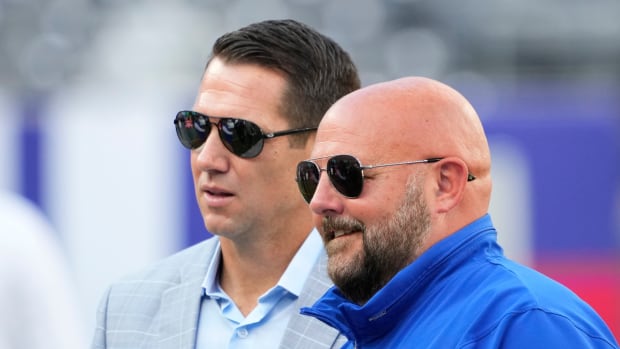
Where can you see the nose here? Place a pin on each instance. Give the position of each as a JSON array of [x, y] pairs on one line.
[[326, 200], [212, 156]]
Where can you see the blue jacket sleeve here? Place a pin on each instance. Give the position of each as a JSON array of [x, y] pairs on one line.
[[537, 328]]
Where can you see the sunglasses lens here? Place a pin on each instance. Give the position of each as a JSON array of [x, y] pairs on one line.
[[243, 138], [345, 173], [192, 128], [307, 179]]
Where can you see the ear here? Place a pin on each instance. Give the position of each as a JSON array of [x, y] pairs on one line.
[[450, 184]]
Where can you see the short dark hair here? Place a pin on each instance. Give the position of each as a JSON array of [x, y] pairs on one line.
[[317, 69]]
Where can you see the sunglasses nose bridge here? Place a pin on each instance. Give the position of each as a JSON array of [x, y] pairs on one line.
[[212, 145], [326, 200], [323, 181], [220, 132], [224, 135]]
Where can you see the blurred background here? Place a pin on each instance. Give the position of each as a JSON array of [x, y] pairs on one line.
[[89, 89]]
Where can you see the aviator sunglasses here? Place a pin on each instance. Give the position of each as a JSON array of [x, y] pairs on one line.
[[241, 137], [345, 172]]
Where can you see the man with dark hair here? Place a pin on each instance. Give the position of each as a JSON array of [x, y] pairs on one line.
[[263, 92]]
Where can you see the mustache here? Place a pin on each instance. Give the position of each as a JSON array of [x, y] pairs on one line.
[[342, 223]]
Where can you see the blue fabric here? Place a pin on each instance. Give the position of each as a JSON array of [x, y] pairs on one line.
[[464, 293], [266, 324]]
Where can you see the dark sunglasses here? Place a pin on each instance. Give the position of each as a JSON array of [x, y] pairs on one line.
[[241, 137], [345, 172]]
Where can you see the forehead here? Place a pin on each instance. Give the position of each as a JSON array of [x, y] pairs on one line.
[[343, 135], [245, 91], [355, 127], [377, 124]]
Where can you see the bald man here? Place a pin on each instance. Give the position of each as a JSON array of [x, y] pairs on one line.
[[402, 211]]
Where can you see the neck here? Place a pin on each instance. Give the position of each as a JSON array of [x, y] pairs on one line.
[[248, 270]]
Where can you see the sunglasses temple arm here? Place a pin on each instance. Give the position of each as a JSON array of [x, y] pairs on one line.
[[289, 132], [425, 161]]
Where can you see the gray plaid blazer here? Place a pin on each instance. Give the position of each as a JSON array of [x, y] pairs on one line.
[[159, 308]]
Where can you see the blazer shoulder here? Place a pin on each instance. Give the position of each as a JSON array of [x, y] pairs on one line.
[[160, 302], [186, 264]]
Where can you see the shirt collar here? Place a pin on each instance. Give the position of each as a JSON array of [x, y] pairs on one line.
[[293, 278], [301, 265]]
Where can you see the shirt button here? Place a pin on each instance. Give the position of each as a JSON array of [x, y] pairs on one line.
[[242, 332]]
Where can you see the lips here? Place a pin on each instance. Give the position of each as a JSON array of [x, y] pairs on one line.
[[216, 197], [215, 191], [339, 233], [335, 227]]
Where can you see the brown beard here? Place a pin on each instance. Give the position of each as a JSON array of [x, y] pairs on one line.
[[388, 247]]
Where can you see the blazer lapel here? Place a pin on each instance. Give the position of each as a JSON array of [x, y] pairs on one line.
[[180, 304], [305, 331], [180, 307]]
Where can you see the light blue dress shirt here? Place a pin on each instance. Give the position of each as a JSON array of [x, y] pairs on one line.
[[222, 325]]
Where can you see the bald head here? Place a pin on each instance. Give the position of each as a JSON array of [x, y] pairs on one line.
[[414, 118], [417, 116]]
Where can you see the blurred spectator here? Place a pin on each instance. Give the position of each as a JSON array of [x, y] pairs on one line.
[[37, 298]]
